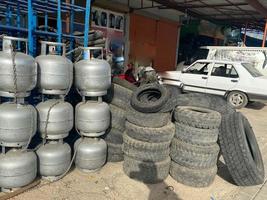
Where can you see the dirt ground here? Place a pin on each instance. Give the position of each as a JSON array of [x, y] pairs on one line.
[[111, 183]]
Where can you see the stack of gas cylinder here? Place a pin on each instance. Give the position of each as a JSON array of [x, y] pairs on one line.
[[92, 115], [55, 116], [18, 120]]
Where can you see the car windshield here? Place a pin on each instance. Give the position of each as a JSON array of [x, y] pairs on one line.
[[252, 70]]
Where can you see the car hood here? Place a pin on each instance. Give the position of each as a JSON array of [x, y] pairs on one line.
[[173, 75], [262, 77]]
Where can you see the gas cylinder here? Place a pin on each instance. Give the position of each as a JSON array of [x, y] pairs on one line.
[[91, 154], [18, 71], [92, 118], [55, 72]]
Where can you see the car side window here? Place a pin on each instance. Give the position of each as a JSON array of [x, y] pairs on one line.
[[199, 68], [233, 73], [224, 70]]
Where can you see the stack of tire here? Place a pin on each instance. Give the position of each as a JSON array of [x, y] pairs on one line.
[[146, 141], [194, 149], [119, 97], [237, 140]]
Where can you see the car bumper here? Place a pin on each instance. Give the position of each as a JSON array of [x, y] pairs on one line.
[[255, 97], [171, 82]]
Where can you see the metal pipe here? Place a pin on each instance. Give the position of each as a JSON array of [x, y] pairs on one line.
[[18, 24], [71, 28], [59, 25], [30, 27], [86, 54], [8, 15], [12, 28], [87, 22]]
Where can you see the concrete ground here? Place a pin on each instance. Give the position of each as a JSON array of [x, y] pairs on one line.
[[110, 183]]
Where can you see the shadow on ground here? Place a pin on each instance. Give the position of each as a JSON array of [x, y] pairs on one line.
[[255, 105], [159, 190]]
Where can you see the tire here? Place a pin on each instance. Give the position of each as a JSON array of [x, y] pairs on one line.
[[229, 137], [194, 156], [124, 83], [145, 155], [152, 135], [115, 157], [208, 101], [114, 136], [237, 99], [197, 117], [240, 151], [174, 90], [118, 118], [145, 146], [149, 91], [193, 177], [118, 96], [171, 103], [147, 172], [115, 153], [196, 136], [153, 120]]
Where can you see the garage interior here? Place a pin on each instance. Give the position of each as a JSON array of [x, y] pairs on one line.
[[140, 41]]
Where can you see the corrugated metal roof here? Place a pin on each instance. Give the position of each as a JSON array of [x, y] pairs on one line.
[[230, 12]]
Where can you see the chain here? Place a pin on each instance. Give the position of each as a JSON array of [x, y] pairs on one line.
[[71, 162], [32, 133], [13, 56], [47, 119]]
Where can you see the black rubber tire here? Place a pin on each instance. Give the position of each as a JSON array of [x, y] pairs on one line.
[[124, 83], [174, 90], [193, 177], [196, 136], [154, 135], [194, 156], [145, 146], [146, 106], [147, 172], [197, 117], [240, 151], [145, 155], [118, 118], [171, 103], [243, 95], [118, 96], [152, 120], [114, 135], [115, 157], [115, 153], [208, 101]]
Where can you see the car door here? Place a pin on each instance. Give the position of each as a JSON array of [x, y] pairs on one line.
[[194, 78], [223, 77]]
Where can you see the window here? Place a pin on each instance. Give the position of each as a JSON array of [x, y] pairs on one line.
[[119, 24], [103, 19], [224, 70], [96, 17], [199, 68], [111, 20], [252, 70]]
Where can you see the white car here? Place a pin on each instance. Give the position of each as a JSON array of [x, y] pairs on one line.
[[236, 81]]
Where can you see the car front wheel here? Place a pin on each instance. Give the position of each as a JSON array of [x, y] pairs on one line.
[[237, 99]]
